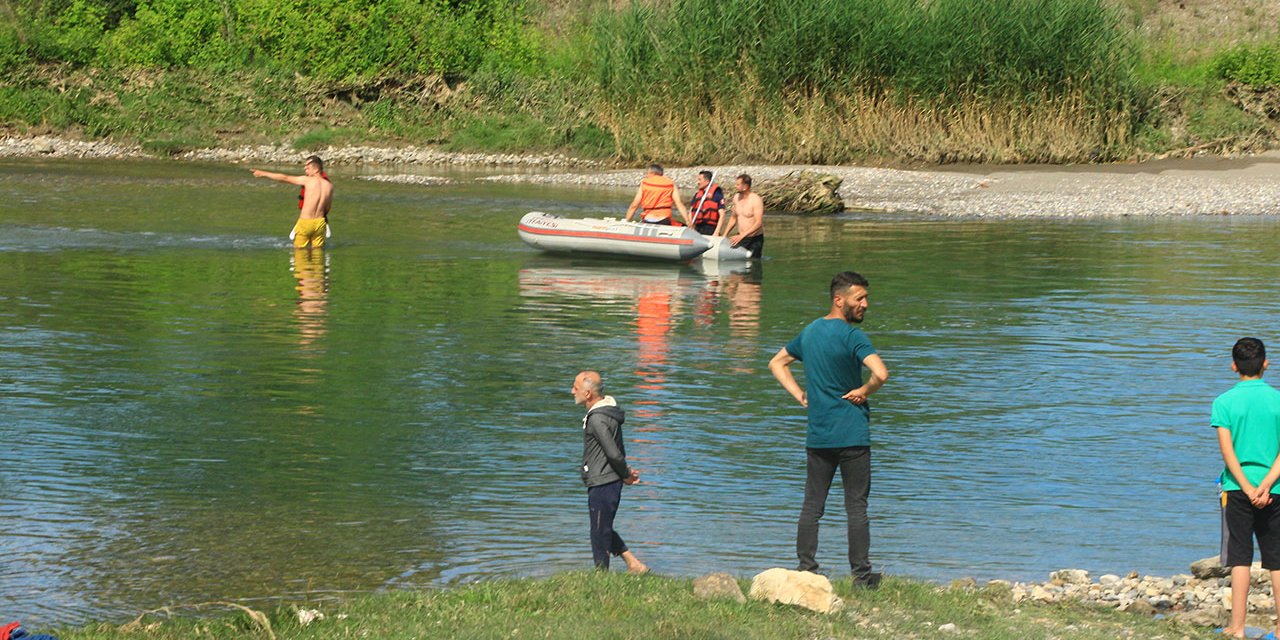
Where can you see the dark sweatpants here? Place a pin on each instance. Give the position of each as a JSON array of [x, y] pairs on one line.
[[603, 501], [854, 464]]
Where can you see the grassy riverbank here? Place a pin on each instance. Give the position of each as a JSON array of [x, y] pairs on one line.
[[683, 81], [588, 605]]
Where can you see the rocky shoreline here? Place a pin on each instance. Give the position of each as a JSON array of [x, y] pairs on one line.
[[1167, 188], [1201, 597]]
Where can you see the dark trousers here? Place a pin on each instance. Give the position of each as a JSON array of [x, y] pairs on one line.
[[705, 228], [754, 244], [855, 474], [603, 501]]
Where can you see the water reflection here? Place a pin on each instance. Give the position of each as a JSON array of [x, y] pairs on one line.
[[310, 268]]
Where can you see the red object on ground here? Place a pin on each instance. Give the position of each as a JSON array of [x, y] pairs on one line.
[[7, 630]]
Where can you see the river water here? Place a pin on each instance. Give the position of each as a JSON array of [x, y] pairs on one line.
[[192, 411]]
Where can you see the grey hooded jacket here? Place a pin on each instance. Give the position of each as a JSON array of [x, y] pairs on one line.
[[604, 459]]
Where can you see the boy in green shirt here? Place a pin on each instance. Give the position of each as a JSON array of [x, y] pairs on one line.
[[1247, 418]]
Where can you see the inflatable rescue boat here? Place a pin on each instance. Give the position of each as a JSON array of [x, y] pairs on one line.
[[610, 236]]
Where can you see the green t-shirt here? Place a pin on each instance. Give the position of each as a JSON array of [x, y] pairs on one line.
[[832, 351], [1251, 412]]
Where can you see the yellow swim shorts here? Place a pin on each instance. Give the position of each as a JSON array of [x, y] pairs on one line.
[[309, 231]]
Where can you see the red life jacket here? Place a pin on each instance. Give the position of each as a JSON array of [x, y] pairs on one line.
[[709, 212], [302, 191]]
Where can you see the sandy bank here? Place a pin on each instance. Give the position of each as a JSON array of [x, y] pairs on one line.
[[1201, 186]]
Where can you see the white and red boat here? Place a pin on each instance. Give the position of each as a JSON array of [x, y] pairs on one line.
[[609, 236]]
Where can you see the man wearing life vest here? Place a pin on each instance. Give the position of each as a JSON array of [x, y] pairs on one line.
[[706, 205], [748, 217], [655, 197], [317, 196]]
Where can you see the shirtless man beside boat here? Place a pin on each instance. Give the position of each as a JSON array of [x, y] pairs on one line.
[[655, 197], [748, 216], [317, 197]]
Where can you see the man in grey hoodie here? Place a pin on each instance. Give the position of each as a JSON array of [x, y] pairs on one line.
[[604, 469]]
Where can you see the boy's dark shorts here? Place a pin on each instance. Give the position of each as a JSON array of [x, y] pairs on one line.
[[1241, 521]]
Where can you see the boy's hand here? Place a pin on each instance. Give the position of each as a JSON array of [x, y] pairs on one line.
[[1262, 497]]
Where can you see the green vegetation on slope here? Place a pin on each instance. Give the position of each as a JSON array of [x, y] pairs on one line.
[[683, 81]]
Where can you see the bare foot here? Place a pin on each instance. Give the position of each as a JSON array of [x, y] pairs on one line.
[[633, 563]]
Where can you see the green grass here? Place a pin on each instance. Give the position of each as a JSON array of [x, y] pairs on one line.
[[323, 137], [834, 81], [591, 605]]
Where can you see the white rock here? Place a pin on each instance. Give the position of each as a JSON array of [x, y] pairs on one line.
[[949, 627], [801, 588], [307, 616]]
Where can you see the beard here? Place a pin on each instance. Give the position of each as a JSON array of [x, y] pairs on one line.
[[852, 315]]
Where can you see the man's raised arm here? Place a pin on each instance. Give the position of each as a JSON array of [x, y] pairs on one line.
[[280, 177]]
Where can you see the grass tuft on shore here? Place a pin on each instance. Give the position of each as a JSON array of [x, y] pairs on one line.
[[616, 605]]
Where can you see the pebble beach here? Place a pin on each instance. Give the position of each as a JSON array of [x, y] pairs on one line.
[[1197, 186]]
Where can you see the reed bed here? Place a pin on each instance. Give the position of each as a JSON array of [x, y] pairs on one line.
[[858, 126], [843, 80]]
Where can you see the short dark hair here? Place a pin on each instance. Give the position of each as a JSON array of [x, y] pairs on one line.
[[1249, 354], [845, 279], [316, 161], [656, 168], [746, 179], [707, 174]]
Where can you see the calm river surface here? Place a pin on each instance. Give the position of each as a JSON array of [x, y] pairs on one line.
[[192, 412]]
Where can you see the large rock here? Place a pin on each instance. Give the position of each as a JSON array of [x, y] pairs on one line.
[[802, 192], [717, 586], [1070, 576], [1210, 567], [801, 588]]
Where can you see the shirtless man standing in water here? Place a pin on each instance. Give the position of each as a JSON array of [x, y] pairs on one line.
[[317, 196], [748, 215]]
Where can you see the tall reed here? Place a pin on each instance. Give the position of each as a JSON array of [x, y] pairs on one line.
[[862, 125], [839, 80], [926, 48]]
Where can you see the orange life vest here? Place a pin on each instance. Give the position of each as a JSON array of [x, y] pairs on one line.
[[655, 195]]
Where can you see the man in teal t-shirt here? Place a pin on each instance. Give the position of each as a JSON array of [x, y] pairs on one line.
[[1247, 418], [834, 351]]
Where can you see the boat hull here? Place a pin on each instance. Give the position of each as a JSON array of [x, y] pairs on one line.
[[722, 251], [610, 237]]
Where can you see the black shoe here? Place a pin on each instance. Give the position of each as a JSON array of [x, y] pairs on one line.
[[867, 581]]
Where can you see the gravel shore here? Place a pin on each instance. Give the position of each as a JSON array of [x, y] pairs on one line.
[[1201, 597], [1203, 186], [1200, 186]]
